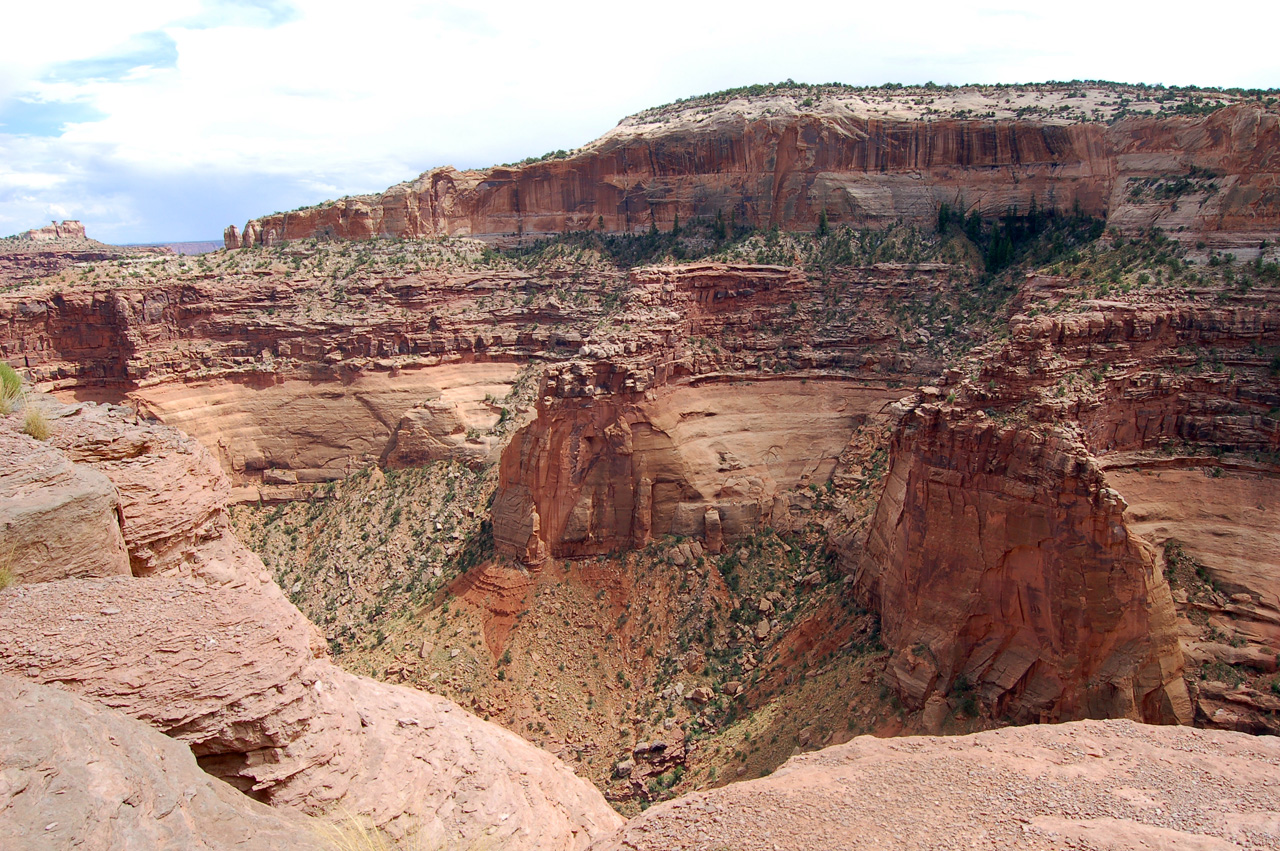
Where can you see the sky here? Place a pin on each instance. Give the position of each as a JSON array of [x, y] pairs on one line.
[[166, 120]]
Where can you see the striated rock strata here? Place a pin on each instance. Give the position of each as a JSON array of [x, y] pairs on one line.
[[240, 676], [860, 159], [73, 774]]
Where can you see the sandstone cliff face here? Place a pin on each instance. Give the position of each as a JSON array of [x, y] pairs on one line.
[[784, 165], [1001, 556], [76, 774], [715, 461], [205, 648], [632, 443], [1000, 517], [765, 172], [248, 369]]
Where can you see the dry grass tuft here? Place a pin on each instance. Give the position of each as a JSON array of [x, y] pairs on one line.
[[7, 576], [353, 833], [36, 424]]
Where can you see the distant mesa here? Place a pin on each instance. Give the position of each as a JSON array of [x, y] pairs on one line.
[[53, 232], [1196, 163]]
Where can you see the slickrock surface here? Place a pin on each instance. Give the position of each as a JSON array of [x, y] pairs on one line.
[[863, 157], [40, 492], [76, 775], [172, 492], [1111, 785]]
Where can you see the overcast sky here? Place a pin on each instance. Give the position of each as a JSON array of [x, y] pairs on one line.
[[166, 120]]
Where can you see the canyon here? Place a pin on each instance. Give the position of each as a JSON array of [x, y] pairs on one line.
[[504, 500]]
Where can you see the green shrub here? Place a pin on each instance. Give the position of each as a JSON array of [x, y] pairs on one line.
[[10, 388]]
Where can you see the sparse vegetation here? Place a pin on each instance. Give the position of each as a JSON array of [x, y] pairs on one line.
[[10, 388], [36, 424]]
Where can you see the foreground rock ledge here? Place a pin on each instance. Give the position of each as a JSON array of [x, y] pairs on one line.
[[73, 774], [1113, 785], [202, 646]]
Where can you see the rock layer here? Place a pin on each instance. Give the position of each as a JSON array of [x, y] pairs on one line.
[[57, 519], [777, 162], [73, 774]]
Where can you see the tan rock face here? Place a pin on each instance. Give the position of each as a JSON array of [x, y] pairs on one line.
[[69, 229], [323, 430], [1114, 785], [57, 519], [614, 471], [75, 774], [785, 167], [1002, 556], [435, 431]]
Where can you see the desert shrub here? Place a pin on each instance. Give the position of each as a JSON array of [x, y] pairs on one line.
[[36, 424]]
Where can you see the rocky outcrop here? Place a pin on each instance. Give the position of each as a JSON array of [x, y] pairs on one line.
[[172, 493], [75, 774], [1003, 554], [58, 520], [1112, 785], [776, 161], [239, 675], [204, 647], [999, 560], [69, 229], [435, 431]]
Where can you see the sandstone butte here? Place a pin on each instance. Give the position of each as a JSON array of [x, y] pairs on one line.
[[1057, 501]]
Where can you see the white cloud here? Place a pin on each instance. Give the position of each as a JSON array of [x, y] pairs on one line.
[[317, 99]]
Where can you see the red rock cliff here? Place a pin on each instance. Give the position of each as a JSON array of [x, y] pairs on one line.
[[778, 163], [1000, 555]]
